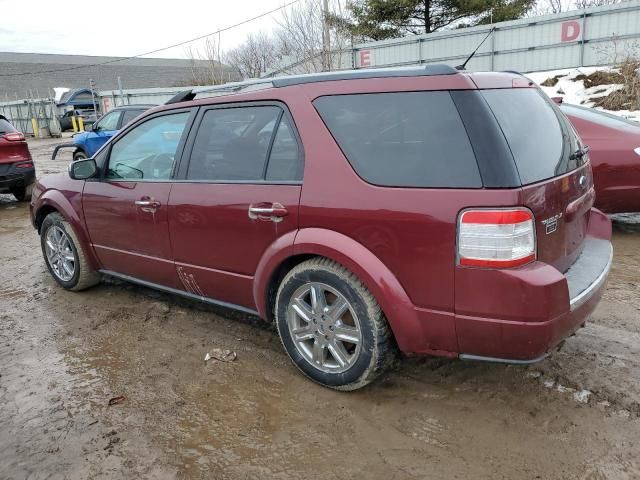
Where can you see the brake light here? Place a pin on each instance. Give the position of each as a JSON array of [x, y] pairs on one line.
[[24, 165], [14, 137], [500, 238]]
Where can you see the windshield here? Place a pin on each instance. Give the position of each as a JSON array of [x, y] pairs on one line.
[[5, 126]]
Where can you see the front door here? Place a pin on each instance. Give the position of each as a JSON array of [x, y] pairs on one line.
[[238, 193], [126, 211]]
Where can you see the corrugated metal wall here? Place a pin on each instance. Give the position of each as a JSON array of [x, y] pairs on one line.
[[594, 36]]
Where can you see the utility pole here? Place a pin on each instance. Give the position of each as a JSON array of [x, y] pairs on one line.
[[92, 86], [121, 91], [326, 37]]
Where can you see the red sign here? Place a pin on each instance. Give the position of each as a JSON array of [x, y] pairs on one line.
[[570, 31], [365, 58]]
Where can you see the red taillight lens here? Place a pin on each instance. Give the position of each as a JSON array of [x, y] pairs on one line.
[[500, 238], [24, 165], [13, 136]]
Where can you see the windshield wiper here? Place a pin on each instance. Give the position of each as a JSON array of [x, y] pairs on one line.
[[581, 152]]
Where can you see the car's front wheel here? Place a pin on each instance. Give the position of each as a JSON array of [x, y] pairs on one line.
[[64, 255], [331, 326], [79, 155]]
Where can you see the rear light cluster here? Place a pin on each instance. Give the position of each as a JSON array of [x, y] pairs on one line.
[[500, 238], [13, 137], [24, 165]]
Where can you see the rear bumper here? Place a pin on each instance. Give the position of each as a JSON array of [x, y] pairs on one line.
[[560, 304], [16, 178]]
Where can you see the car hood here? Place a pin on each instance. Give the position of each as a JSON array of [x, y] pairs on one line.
[[80, 138]]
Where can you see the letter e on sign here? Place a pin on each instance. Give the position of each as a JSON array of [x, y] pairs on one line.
[[365, 58], [570, 31]]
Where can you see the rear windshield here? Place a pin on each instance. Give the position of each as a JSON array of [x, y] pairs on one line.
[[403, 139], [533, 131], [6, 126]]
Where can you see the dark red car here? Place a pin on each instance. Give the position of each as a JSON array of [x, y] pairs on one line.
[[440, 212], [614, 144], [17, 173]]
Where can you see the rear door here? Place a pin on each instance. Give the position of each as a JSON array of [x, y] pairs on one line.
[[238, 193], [126, 212], [556, 176]]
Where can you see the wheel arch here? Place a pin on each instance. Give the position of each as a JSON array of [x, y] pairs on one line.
[[372, 272]]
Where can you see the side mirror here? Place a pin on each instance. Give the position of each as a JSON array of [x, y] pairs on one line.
[[83, 169]]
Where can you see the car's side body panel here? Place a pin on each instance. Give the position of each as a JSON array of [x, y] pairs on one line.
[[216, 245], [127, 239], [614, 157]]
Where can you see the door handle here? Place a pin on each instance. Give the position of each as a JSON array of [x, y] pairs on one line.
[[148, 205], [274, 212]]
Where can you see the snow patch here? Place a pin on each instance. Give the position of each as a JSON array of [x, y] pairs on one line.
[[574, 92]]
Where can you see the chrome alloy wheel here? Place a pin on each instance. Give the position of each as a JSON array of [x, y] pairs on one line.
[[324, 327], [60, 254]]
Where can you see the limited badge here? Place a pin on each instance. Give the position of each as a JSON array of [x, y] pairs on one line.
[[551, 223]]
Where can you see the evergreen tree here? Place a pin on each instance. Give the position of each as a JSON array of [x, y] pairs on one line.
[[380, 19]]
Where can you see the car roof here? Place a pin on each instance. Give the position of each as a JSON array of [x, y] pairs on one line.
[[369, 80], [136, 106]]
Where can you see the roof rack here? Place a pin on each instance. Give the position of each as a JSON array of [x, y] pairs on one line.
[[277, 82]]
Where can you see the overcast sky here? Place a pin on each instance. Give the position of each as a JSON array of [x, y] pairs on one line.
[[125, 27]]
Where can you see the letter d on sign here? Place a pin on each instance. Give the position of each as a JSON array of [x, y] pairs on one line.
[[570, 31]]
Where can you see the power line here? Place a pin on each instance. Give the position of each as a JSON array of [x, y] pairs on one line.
[[122, 59]]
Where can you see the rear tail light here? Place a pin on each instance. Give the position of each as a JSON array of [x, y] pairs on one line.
[[13, 136], [24, 165], [496, 238]]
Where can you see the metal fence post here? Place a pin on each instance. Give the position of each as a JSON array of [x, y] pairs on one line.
[[582, 39]]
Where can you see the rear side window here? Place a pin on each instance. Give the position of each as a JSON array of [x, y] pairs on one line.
[[129, 115], [245, 144], [533, 131], [403, 139]]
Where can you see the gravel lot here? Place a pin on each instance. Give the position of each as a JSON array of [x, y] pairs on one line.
[[64, 355]]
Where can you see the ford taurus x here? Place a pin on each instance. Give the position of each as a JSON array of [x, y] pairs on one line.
[[422, 210]]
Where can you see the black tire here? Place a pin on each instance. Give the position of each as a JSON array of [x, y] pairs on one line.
[[21, 194], [84, 276], [79, 155], [378, 349]]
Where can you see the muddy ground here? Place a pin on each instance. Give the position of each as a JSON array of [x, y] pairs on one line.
[[64, 355]]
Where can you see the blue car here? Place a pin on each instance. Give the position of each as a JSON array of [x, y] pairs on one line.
[[88, 143]]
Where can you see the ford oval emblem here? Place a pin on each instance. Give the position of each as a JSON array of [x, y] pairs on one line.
[[583, 181]]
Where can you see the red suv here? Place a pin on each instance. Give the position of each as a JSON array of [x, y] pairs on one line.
[[440, 212], [17, 172]]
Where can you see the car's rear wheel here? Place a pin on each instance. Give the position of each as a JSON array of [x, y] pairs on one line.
[[331, 325], [64, 255], [79, 155], [20, 194]]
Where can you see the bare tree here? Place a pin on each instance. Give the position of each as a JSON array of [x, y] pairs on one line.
[[259, 53], [595, 3], [206, 65], [549, 7], [309, 44]]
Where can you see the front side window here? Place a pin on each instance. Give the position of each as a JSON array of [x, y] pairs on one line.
[[148, 151], [403, 139], [109, 122], [232, 144]]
